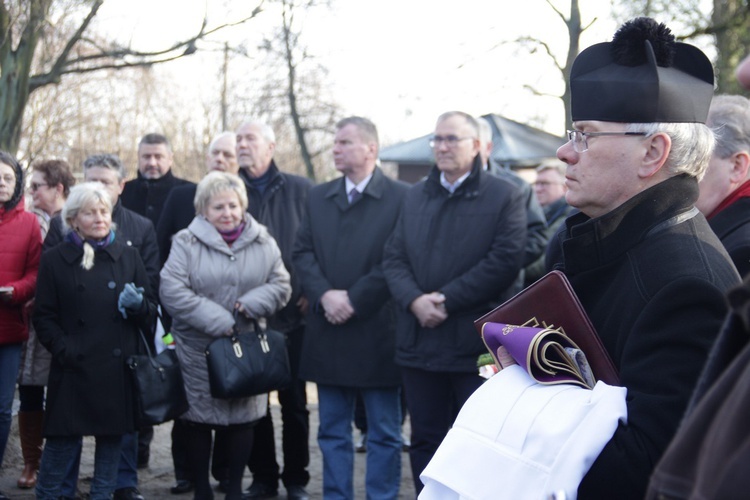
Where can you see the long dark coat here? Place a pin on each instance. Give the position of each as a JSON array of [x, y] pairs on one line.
[[340, 246], [652, 277], [76, 319], [709, 456]]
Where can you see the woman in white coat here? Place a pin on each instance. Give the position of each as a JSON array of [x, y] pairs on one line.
[[224, 260]]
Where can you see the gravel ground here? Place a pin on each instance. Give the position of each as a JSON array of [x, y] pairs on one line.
[[157, 478]]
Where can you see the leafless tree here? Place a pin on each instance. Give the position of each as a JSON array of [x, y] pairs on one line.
[[726, 23], [31, 58]]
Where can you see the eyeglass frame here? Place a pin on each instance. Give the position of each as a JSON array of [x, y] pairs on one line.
[[34, 186], [451, 141], [583, 135]]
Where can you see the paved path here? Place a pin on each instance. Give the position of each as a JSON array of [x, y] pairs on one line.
[[155, 481]]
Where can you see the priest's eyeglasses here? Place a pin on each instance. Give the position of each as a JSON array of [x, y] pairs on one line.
[[581, 145]]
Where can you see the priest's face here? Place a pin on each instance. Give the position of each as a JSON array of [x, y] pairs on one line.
[[605, 175]]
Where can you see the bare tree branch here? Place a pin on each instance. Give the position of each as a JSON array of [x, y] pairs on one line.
[[120, 56]]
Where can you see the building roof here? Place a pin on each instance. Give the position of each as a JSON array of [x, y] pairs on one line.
[[513, 144]]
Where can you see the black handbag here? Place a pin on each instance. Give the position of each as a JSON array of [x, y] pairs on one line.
[[159, 386], [248, 363]]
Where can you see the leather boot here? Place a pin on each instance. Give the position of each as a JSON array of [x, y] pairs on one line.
[[30, 432]]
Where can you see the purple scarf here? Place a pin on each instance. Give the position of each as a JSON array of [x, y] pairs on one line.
[[232, 235], [75, 238]]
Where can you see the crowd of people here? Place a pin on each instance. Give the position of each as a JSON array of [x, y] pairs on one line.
[[376, 285]]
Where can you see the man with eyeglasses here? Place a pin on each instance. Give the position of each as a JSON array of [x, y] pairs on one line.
[[458, 244], [644, 262]]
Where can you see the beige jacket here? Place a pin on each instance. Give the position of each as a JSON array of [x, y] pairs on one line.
[[201, 281]]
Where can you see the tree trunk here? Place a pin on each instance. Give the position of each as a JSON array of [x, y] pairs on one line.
[[15, 71], [729, 20], [292, 82]]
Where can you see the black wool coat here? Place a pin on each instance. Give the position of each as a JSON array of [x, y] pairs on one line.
[[146, 197], [132, 229], [652, 275], [340, 246], [177, 214], [732, 226], [77, 320], [281, 207]]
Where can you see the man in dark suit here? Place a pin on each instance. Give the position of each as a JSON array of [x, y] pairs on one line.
[[146, 194], [349, 342], [725, 189]]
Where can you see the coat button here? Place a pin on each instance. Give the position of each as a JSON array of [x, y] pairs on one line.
[[116, 352], [129, 243], [111, 285], [232, 258], [81, 322]]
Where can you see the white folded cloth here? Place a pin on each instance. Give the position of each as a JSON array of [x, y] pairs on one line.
[[517, 439]]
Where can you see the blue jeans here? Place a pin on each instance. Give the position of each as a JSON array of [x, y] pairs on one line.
[[10, 360], [127, 469], [59, 452], [336, 410]]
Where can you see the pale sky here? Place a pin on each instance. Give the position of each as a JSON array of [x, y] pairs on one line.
[[399, 62]]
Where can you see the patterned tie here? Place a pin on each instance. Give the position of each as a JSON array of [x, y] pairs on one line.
[[354, 195]]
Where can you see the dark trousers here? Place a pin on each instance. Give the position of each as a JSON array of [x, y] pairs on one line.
[[198, 446], [180, 459], [295, 434], [434, 399]]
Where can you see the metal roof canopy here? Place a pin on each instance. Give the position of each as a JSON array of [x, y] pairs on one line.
[[513, 145]]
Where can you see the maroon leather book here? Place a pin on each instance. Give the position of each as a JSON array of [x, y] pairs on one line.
[[551, 302]]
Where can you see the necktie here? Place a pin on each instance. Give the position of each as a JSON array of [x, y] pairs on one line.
[[354, 195]]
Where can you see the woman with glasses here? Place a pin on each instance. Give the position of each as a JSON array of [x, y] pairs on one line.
[[19, 263], [50, 185]]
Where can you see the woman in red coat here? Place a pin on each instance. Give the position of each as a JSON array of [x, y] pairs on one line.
[[19, 263]]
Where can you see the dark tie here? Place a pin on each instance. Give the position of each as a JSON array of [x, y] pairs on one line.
[[354, 195]]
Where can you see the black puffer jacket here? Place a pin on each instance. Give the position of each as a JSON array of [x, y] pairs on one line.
[[469, 245]]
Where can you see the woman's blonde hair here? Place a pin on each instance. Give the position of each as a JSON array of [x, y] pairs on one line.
[[81, 196], [214, 183]]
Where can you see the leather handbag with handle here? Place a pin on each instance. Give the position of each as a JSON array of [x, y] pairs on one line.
[[248, 363], [159, 386]]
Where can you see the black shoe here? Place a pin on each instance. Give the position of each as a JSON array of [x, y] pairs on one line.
[[181, 486], [259, 490], [128, 494], [296, 492], [223, 486], [143, 456], [3, 497]]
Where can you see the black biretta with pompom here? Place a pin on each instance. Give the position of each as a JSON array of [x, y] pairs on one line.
[[642, 76]]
